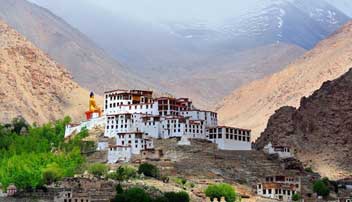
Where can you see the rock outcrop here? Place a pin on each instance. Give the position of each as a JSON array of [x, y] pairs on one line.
[[320, 130], [34, 86]]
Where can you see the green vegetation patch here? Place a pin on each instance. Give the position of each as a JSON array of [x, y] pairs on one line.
[[221, 190], [31, 156]]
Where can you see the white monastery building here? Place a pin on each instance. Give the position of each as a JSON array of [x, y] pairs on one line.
[[282, 151], [134, 117], [279, 187]]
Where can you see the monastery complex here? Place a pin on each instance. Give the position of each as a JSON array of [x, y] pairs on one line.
[[133, 118]]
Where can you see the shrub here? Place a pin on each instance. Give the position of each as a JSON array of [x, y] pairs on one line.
[[148, 170], [165, 179], [221, 190], [177, 196], [123, 173], [160, 199], [52, 173], [180, 181], [98, 169], [119, 189], [296, 197], [321, 188], [309, 169], [19, 124], [137, 195], [191, 184]]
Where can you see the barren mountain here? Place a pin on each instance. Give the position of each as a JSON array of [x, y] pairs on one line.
[[251, 105], [88, 64], [196, 54], [222, 74], [320, 130], [34, 86]]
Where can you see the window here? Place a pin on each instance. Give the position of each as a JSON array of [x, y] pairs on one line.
[[269, 191], [220, 136], [264, 191]]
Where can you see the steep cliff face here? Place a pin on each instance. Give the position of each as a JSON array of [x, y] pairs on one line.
[[34, 86], [253, 104], [320, 130]]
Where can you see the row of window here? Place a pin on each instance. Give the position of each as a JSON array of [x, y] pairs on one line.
[[76, 200], [279, 191], [229, 130], [119, 97], [120, 148], [230, 137], [113, 105], [112, 126]]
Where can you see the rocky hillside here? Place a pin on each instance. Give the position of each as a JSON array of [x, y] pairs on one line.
[[251, 105], [320, 130], [88, 64], [34, 86]]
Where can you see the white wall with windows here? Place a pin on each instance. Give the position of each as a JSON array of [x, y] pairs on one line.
[[228, 138]]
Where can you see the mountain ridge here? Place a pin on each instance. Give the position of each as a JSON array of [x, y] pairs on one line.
[[33, 85], [89, 64], [251, 105], [180, 49]]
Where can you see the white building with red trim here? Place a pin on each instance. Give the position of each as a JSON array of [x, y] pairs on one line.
[[133, 117], [279, 187]]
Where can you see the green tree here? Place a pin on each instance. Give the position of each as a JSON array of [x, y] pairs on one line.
[[308, 169], [28, 160], [149, 170], [119, 189], [321, 188], [296, 197], [98, 169], [177, 196], [221, 190], [125, 173], [52, 173], [18, 124], [137, 195]]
